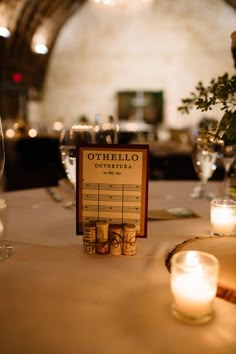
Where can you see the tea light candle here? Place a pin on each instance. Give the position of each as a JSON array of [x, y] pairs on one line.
[[193, 284], [223, 216]]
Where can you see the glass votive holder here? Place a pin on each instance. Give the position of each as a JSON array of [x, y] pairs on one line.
[[6, 250], [194, 278], [223, 217]]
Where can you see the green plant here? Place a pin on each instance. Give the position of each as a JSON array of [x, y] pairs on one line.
[[220, 91]]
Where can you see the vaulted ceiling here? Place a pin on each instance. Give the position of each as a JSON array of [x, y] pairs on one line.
[[18, 63]]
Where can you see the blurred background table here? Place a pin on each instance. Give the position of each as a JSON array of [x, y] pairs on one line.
[[36, 162]]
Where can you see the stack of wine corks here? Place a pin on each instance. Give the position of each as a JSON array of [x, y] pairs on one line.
[[103, 238]]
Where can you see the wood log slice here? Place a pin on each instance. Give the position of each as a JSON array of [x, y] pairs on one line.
[[224, 248]]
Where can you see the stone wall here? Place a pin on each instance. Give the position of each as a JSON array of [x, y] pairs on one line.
[[168, 47]]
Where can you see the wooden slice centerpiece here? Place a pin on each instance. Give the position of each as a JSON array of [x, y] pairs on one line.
[[224, 249]]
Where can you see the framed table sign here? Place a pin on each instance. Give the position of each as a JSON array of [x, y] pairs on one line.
[[112, 185]]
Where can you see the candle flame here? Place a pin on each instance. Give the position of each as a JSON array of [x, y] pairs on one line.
[[192, 259], [192, 262]]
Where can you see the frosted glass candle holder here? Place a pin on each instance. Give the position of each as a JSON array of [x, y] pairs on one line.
[[194, 277], [223, 217]]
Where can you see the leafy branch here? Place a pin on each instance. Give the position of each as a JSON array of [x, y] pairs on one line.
[[220, 91]]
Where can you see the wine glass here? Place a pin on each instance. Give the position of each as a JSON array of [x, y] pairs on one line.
[[106, 129], [228, 156], [70, 138], [204, 156], [6, 250]]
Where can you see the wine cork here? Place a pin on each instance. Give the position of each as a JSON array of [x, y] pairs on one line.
[[89, 239], [115, 238], [129, 240], [102, 237]]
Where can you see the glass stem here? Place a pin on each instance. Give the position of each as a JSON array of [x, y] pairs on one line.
[[226, 182], [203, 187]]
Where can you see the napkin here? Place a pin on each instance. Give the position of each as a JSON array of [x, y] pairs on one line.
[[64, 193], [171, 214]]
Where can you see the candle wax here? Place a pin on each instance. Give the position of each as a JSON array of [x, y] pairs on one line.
[[223, 221], [193, 295]]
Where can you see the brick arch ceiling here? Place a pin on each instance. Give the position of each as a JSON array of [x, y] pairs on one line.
[[24, 18]]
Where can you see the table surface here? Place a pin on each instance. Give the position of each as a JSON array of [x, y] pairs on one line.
[[56, 299]]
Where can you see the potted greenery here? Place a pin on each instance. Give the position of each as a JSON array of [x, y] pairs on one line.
[[222, 92]]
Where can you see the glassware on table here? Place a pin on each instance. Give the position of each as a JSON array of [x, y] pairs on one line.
[[6, 250], [228, 157], [106, 129], [204, 156], [194, 277], [223, 217], [69, 139]]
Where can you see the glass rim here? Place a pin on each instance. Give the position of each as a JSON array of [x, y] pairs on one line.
[[214, 262], [202, 140], [223, 202]]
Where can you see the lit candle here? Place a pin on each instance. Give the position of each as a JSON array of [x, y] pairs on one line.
[[223, 217], [193, 284]]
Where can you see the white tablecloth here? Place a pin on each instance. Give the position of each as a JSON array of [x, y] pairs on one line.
[[55, 299]]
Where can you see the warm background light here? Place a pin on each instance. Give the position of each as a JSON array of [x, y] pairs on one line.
[[4, 32], [10, 133], [121, 3], [32, 133]]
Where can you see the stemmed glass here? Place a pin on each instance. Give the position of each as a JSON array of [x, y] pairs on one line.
[[6, 250], [104, 131], [205, 155], [69, 139], [228, 156]]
